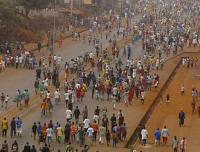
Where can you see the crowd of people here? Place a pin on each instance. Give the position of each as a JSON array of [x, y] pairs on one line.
[[114, 76]]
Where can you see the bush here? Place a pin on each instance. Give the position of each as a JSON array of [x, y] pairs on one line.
[[27, 36]]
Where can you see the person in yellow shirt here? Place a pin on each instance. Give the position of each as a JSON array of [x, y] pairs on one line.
[[59, 133], [104, 73], [4, 127], [84, 86]]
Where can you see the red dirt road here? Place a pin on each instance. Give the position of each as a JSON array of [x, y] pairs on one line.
[[167, 114]]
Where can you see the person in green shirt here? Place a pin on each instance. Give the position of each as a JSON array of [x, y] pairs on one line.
[[81, 136], [41, 88], [26, 97]]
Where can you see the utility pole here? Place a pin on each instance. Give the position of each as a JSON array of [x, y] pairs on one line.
[[54, 28], [71, 6]]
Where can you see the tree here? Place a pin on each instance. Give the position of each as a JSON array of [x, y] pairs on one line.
[[34, 4], [9, 19]]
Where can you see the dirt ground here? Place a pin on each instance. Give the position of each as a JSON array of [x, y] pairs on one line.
[[167, 114]]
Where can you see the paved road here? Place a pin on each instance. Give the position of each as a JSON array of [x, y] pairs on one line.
[[69, 50], [59, 113], [13, 79]]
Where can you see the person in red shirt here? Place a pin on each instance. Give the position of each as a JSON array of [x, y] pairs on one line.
[[95, 128], [73, 131]]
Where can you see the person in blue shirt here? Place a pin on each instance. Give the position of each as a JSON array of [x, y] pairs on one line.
[[157, 136], [39, 131], [19, 127]]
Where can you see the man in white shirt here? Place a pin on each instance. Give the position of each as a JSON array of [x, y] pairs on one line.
[[59, 59], [57, 96], [90, 132], [17, 62], [6, 101], [48, 96], [20, 61], [144, 135], [96, 118], [68, 115], [86, 123], [49, 135], [66, 96]]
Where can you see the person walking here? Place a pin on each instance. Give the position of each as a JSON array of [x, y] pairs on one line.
[[7, 98], [73, 132], [193, 104], [90, 133], [39, 45], [108, 137], [77, 114], [4, 147], [34, 130], [44, 107], [102, 134], [175, 144], [45, 148], [114, 138], [165, 134], [14, 147], [2, 99], [33, 149], [183, 144], [67, 132], [49, 133], [13, 127], [81, 136], [86, 123], [95, 127], [59, 133], [4, 127], [157, 136], [182, 90], [19, 127], [27, 147], [144, 134], [181, 117]]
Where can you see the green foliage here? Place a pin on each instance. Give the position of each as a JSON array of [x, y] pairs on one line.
[[9, 19], [18, 27], [34, 4]]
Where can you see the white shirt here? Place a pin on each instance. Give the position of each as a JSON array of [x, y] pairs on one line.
[[86, 123], [96, 118], [20, 59], [17, 60], [182, 88], [91, 55], [48, 95], [144, 133], [164, 132], [68, 114], [114, 91], [59, 59], [55, 58], [49, 132], [142, 94], [7, 98], [46, 82], [66, 96], [78, 85], [56, 94]]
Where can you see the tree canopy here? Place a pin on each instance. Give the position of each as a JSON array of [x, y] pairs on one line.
[[34, 4], [8, 18]]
